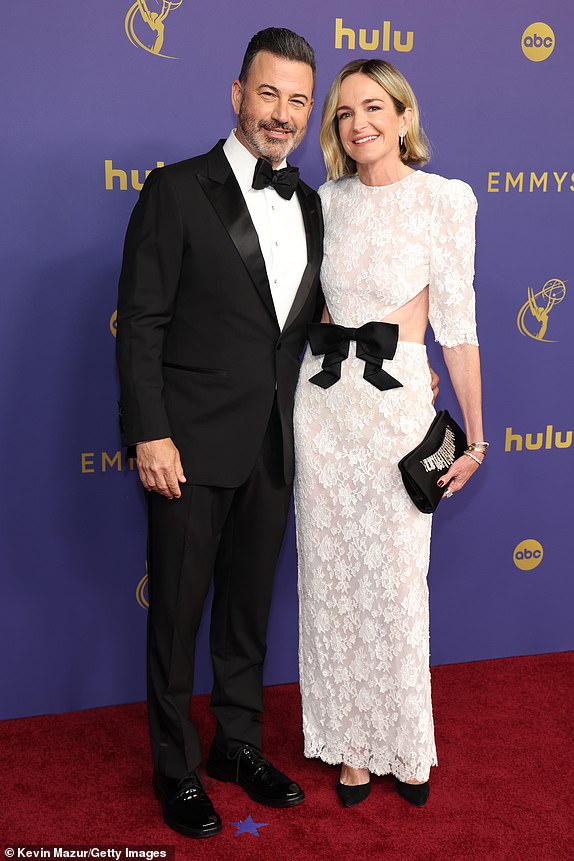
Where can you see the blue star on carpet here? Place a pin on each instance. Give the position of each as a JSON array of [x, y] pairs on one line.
[[248, 826]]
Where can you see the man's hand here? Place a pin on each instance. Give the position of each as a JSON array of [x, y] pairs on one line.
[[434, 378], [159, 466]]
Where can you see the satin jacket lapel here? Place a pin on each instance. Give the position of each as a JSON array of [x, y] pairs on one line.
[[312, 219], [223, 192]]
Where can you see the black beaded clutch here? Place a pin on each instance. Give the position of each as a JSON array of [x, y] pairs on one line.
[[422, 467]]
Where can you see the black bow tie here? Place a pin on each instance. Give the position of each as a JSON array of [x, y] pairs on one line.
[[283, 181]]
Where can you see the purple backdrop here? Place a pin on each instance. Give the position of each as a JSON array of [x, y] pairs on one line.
[[89, 108]]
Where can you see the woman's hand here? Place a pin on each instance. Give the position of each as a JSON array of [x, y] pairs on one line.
[[459, 473], [463, 363]]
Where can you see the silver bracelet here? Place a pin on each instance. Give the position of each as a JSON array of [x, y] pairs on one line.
[[473, 457], [482, 443]]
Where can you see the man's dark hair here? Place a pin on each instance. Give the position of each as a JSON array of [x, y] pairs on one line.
[[281, 43]]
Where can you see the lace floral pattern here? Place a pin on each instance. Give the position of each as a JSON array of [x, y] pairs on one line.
[[384, 244], [363, 546]]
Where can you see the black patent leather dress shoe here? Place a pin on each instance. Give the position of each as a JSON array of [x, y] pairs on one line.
[[351, 795], [249, 769], [186, 806], [414, 793]]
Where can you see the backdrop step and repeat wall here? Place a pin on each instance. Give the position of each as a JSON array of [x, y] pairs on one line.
[[95, 96]]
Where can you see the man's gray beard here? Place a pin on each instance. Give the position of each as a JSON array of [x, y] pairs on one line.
[[253, 135]]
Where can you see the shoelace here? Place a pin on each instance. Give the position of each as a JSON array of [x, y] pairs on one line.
[[189, 787], [253, 756]]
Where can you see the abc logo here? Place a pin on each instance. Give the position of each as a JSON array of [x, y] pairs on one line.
[[528, 554], [114, 323], [538, 42]]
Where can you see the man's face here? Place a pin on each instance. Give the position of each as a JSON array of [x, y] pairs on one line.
[[273, 106]]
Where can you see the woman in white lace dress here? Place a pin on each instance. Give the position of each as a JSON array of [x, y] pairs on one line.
[[399, 249]]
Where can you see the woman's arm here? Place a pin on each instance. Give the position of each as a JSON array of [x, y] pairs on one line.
[[463, 364]]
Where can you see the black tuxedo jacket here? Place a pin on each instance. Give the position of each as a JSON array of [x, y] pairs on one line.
[[199, 349]]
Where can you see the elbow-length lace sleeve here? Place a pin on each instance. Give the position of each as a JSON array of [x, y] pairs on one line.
[[451, 294]]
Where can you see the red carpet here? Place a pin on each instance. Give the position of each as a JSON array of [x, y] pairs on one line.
[[503, 790]]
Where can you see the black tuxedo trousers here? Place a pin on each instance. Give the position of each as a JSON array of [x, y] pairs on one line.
[[234, 536]]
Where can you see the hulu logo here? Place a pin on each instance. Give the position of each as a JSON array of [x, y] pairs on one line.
[[116, 178], [535, 441], [383, 38]]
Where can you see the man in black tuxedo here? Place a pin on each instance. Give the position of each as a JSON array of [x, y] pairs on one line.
[[220, 277]]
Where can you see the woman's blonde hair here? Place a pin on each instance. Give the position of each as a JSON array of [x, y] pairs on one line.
[[414, 150]]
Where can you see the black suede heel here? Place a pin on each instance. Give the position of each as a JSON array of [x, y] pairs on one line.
[[351, 795], [414, 793]]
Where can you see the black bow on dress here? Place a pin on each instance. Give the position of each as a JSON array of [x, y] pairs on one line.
[[284, 181], [375, 342]]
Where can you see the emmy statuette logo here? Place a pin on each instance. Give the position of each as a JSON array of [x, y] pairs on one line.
[[114, 323], [532, 320], [145, 26], [528, 554], [142, 596], [538, 41]]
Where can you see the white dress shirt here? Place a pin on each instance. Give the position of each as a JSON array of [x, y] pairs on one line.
[[279, 225]]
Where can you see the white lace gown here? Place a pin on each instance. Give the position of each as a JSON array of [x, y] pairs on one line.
[[363, 546]]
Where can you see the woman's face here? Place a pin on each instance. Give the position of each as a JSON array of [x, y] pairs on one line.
[[369, 126]]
